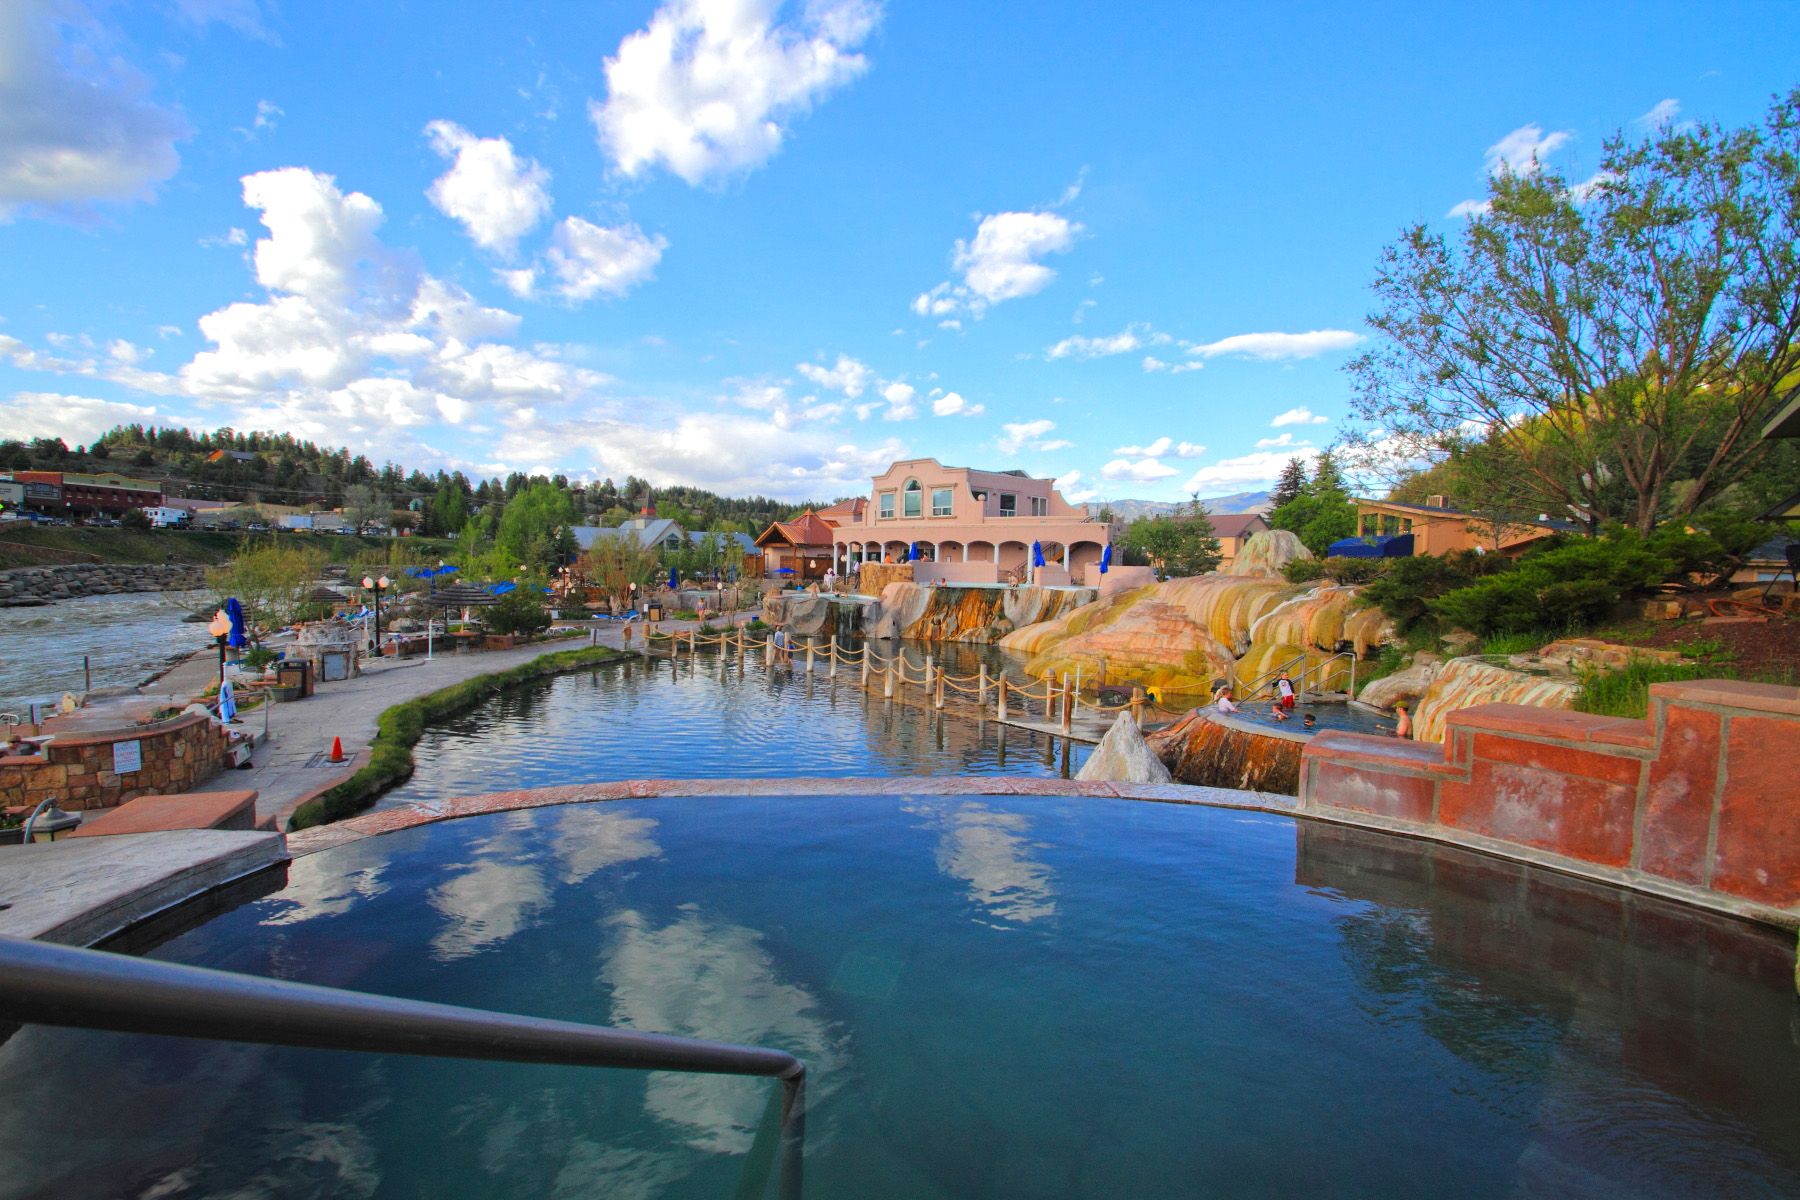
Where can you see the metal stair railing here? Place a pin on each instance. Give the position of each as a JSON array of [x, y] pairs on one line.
[[1256, 685], [46, 984]]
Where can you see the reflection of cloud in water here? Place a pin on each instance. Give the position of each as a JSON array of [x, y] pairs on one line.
[[486, 905], [327, 885], [592, 837], [615, 1173], [991, 852], [704, 978]]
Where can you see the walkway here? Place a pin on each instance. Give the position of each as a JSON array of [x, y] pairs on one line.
[[290, 768]]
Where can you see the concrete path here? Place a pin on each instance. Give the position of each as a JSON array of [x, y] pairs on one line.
[[79, 891], [291, 768]]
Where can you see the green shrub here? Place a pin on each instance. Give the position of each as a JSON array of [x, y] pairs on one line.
[[399, 728], [1626, 691], [519, 611], [1517, 643], [1303, 570], [258, 657], [1405, 589]]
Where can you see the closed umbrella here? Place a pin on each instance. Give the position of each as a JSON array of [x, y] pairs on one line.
[[1037, 553], [912, 555], [235, 612], [674, 583], [227, 701], [1106, 558]]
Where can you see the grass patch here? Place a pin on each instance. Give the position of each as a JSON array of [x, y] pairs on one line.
[[400, 728], [1626, 691], [1516, 643]]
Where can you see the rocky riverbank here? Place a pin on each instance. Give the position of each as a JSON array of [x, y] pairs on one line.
[[32, 587]]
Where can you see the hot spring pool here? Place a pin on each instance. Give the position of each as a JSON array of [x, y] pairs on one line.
[[997, 997]]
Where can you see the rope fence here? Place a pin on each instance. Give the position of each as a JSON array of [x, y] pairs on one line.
[[1056, 701]]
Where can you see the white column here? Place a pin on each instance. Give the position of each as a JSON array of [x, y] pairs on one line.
[[965, 557], [1065, 556]]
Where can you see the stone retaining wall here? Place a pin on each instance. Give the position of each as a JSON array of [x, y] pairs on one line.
[[30, 587], [78, 768], [1700, 796]]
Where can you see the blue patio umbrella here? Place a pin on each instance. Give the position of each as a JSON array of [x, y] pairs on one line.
[[235, 612], [674, 584], [1106, 558], [1037, 553], [912, 554]]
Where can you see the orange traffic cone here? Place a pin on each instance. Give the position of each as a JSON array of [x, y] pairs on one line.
[[337, 749]]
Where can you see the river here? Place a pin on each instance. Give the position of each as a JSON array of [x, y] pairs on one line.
[[127, 638]]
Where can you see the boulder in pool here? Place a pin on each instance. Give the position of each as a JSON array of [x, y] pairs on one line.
[[1124, 757]]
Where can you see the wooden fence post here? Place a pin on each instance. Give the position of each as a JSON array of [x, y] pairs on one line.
[[865, 667], [1068, 706], [809, 656], [887, 682], [981, 687], [937, 700], [831, 665], [1000, 713], [1137, 706]]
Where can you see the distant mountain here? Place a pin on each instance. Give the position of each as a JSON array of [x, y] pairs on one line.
[[1237, 502]]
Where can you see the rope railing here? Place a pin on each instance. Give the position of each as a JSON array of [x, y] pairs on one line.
[[1056, 701]]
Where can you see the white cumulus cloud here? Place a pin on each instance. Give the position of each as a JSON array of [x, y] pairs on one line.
[[850, 376], [1075, 488], [1077, 346], [77, 123], [1244, 471], [709, 87], [1141, 470], [1524, 150], [1298, 416], [497, 196], [1155, 449], [74, 419], [1029, 435], [1000, 263], [950, 404], [1278, 345], [589, 259]]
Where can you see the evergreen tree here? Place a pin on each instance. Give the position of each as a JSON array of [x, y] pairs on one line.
[[1292, 482]]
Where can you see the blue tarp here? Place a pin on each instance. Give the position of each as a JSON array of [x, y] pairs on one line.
[[501, 589], [1398, 546]]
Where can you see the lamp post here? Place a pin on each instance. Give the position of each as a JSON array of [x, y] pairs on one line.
[[220, 628], [378, 586]]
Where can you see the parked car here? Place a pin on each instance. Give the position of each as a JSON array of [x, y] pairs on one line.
[[258, 527]]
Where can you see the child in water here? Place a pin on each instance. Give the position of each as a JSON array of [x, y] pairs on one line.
[[1402, 722], [1311, 723]]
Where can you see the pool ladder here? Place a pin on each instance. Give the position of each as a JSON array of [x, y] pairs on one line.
[[1256, 685], [46, 984]]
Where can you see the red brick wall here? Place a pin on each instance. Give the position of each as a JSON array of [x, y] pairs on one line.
[[1701, 794], [177, 755]]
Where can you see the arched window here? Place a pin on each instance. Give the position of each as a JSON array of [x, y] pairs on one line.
[[911, 497]]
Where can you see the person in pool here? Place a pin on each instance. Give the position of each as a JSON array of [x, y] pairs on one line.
[[1310, 723], [1222, 699], [1278, 712], [1402, 722]]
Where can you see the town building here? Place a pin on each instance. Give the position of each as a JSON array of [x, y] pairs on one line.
[[647, 530], [801, 547], [972, 526], [1233, 530], [1436, 528], [102, 494]]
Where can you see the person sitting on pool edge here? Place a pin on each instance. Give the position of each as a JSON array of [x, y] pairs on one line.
[[1222, 699]]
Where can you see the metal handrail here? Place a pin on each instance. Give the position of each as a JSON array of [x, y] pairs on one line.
[[1256, 685], [46, 984]]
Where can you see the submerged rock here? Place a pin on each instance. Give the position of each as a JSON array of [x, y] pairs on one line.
[[1123, 757]]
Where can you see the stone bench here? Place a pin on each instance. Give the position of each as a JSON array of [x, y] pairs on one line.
[[187, 810]]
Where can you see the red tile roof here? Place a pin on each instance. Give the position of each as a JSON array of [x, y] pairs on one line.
[[805, 530]]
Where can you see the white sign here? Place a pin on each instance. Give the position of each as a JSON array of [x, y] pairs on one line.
[[127, 757]]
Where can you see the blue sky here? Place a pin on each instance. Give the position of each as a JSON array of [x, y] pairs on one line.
[[764, 247]]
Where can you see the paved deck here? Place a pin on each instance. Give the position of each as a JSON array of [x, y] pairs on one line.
[[288, 768], [81, 891]]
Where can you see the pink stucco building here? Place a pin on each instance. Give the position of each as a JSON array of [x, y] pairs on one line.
[[970, 526]]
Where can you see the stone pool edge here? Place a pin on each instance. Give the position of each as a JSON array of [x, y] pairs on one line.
[[427, 812]]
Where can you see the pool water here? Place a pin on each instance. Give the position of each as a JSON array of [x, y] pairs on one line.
[[710, 717], [997, 997]]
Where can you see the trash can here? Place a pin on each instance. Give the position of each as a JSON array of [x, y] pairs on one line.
[[654, 613], [295, 673]]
